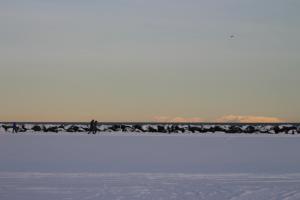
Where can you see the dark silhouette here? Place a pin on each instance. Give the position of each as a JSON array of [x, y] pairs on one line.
[[95, 129], [91, 126], [36, 128], [15, 128], [23, 128], [6, 128]]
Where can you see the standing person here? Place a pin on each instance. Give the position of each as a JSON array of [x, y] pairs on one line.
[[95, 127], [91, 126], [15, 128]]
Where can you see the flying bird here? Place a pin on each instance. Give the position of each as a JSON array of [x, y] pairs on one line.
[[232, 36]]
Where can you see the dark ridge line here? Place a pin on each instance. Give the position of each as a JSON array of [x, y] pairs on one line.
[[270, 128], [159, 123]]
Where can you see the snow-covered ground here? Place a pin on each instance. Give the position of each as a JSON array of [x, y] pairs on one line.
[[149, 166], [31, 186]]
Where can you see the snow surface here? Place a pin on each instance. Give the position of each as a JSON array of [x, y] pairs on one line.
[[151, 166], [84, 186]]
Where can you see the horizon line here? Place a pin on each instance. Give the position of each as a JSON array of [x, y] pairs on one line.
[[144, 122]]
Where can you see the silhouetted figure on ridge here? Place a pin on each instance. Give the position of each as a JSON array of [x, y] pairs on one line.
[[91, 126], [95, 129], [14, 127]]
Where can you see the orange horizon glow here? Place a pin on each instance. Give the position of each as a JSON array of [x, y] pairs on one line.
[[158, 119]]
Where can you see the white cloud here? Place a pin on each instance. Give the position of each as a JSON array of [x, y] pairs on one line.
[[223, 119], [248, 119]]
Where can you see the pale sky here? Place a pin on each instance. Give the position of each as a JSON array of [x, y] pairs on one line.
[[155, 60]]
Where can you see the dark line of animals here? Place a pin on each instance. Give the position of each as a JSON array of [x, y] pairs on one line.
[[172, 128]]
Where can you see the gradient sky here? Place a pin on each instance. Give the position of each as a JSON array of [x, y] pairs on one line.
[[138, 60]]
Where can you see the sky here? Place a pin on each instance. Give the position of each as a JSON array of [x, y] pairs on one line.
[[158, 60]]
